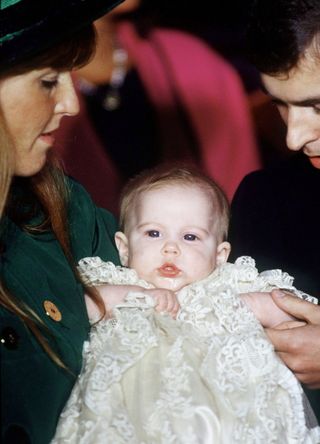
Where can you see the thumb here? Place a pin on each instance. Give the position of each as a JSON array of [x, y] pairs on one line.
[[296, 306]]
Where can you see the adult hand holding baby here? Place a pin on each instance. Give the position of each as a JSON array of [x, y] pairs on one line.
[[298, 346]]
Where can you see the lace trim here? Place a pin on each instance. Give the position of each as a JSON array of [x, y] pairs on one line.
[[209, 376]]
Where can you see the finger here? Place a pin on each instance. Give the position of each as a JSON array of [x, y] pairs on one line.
[[171, 300], [161, 303], [282, 340], [175, 309], [306, 379], [161, 307], [309, 381], [173, 306], [176, 306], [297, 307], [309, 378], [286, 358], [296, 365], [290, 324]]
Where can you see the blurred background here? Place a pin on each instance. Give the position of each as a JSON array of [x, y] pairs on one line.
[[224, 30], [170, 82]]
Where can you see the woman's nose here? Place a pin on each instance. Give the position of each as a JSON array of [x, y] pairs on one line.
[[67, 100], [171, 248]]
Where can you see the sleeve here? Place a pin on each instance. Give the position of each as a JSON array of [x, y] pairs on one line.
[[92, 228]]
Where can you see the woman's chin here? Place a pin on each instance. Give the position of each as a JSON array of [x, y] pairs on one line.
[[30, 169]]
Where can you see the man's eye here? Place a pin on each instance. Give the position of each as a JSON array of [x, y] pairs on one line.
[[153, 233], [190, 237]]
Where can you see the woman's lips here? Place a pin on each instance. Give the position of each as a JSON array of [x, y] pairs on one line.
[[48, 138], [169, 270]]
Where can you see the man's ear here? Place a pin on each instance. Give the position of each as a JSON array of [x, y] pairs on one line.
[[223, 252], [122, 246]]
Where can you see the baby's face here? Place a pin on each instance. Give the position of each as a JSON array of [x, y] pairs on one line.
[[171, 238]]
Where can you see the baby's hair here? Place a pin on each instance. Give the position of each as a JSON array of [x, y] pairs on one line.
[[170, 175]]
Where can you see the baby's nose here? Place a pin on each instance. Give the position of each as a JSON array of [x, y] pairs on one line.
[[171, 248]]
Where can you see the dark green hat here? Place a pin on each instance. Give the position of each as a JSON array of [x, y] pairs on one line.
[[28, 27]]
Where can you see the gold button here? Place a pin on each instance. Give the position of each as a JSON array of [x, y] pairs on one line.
[[52, 311]]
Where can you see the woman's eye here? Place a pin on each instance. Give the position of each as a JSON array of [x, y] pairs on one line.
[[153, 233], [190, 237], [49, 83]]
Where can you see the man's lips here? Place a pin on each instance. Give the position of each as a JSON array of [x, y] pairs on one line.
[[315, 161], [168, 270]]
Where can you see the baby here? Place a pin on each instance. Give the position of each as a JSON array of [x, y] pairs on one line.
[[151, 240], [210, 375]]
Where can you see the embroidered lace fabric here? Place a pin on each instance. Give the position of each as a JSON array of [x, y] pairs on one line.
[[211, 376]]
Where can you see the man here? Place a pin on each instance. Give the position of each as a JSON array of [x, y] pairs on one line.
[[276, 212]]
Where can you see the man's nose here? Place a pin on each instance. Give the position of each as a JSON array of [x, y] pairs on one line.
[[301, 129], [171, 248]]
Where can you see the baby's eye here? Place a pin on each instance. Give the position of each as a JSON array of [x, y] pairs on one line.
[[153, 233], [190, 237]]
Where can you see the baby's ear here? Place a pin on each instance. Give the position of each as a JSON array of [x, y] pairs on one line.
[[122, 246], [223, 252]]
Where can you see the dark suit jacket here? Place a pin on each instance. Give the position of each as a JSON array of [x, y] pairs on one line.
[[276, 220]]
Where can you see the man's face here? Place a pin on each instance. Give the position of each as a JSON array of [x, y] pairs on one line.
[[297, 96]]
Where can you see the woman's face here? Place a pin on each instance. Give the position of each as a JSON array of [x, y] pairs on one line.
[[33, 105]]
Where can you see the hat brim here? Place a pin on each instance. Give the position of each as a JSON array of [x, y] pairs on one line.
[[36, 31]]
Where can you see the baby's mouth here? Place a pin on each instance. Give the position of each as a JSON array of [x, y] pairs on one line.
[[169, 270]]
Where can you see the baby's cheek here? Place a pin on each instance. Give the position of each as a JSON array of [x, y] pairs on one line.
[[201, 267], [142, 263]]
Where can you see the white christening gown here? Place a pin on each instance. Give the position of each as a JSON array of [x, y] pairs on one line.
[[211, 376]]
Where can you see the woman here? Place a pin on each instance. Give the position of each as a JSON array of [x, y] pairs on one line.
[[48, 222]]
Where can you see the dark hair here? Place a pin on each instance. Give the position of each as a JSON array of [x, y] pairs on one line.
[[73, 52], [280, 31]]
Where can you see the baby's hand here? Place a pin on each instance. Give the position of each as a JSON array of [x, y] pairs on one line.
[[112, 295], [265, 310], [166, 300]]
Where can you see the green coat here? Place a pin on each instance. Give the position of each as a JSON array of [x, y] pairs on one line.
[[34, 268]]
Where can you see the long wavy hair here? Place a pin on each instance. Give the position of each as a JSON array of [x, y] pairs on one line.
[[46, 191]]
